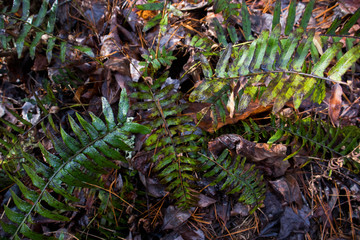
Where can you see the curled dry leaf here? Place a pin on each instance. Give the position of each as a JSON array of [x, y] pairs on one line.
[[271, 157], [231, 105], [255, 151], [335, 103]]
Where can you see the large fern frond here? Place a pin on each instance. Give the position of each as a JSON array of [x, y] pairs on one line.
[[171, 138], [273, 68], [80, 161], [279, 64]]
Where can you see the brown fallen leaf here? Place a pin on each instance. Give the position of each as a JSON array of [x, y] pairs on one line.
[[205, 201], [271, 157], [231, 105], [335, 103], [206, 123], [174, 217], [289, 188], [254, 151]]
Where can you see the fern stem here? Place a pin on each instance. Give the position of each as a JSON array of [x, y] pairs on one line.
[[286, 72]]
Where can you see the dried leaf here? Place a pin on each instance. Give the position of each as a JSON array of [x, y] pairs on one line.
[[335, 104], [230, 106], [205, 201], [174, 217], [317, 43], [240, 209], [289, 189], [290, 223]]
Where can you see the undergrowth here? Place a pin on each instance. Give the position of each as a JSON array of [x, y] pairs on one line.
[[272, 68]]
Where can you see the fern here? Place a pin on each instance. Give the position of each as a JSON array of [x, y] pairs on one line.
[[235, 178], [171, 138], [13, 136], [270, 67], [227, 7], [80, 162], [153, 62], [318, 138], [286, 79], [33, 24]]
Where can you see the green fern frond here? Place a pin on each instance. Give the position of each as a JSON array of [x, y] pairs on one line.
[[11, 139], [37, 24], [171, 139], [273, 68], [280, 65], [80, 161], [154, 61], [235, 178], [30, 22], [318, 138]]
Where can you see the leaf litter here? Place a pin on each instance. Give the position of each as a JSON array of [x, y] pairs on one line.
[[299, 202]]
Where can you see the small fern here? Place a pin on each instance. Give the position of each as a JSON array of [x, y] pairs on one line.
[[318, 138], [13, 136], [33, 24], [153, 61], [321, 139], [80, 162], [235, 178], [171, 138]]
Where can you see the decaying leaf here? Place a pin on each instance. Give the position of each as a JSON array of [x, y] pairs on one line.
[[174, 217], [271, 157], [335, 104], [255, 151], [289, 188], [231, 105]]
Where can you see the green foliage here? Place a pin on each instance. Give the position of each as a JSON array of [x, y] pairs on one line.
[[80, 161], [235, 178], [278, 64], [34, 27], [65, 78], [227, 7], [161, 18], [318, 138], [171, 138], [12, 137], [272, 67], [154, 61]]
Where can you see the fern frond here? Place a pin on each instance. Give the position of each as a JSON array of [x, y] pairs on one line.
[[154, 61], [31, 22], [33, 25], [80, 161], [273, 68], [318, 138], [279, 64], [171, 139], [12, 137], [235, 178]]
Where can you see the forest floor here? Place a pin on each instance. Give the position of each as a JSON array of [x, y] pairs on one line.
[[314, 194]]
